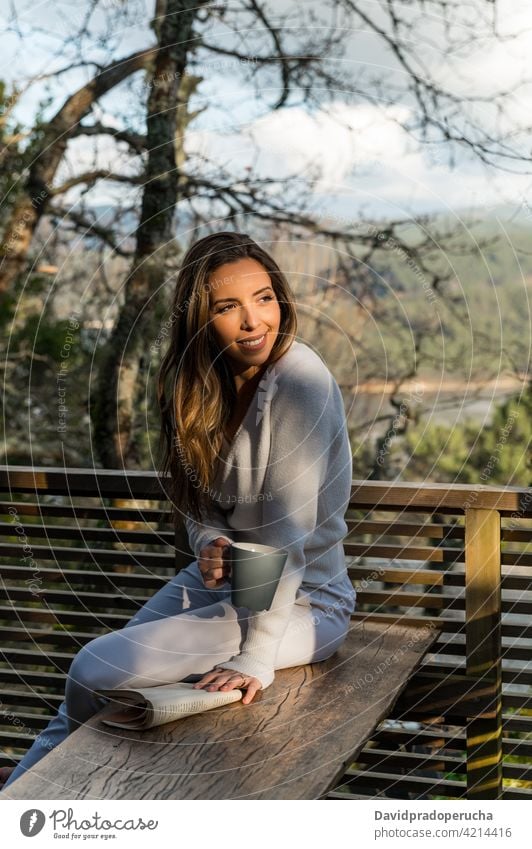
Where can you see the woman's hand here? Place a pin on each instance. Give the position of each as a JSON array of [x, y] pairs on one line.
[[213, 563], [227, 679]]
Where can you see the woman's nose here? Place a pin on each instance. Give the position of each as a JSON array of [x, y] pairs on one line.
[[250, 319]]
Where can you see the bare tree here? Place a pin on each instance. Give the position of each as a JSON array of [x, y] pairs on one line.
[[293, 57], [118, 384], [34, 199]]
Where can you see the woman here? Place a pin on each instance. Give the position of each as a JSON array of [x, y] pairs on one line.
[[241, 397]]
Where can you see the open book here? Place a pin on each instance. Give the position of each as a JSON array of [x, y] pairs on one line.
[[151, 706]]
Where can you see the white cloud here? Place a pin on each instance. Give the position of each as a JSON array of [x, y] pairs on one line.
[[292, 141], [498, 62]]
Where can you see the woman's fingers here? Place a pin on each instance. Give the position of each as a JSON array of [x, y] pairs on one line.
[[228, 679], [216, 679], [212, 566], [213, 579], [207, 678], [252, 688]]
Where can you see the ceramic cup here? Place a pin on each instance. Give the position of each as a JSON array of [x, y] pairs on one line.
[[255, 574]]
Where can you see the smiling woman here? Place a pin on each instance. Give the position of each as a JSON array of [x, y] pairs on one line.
[[284, 479], [234, 292]]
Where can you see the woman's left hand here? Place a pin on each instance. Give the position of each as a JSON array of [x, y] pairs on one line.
[[227, 679]]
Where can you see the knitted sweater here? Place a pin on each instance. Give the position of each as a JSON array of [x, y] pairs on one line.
[[284, 481]]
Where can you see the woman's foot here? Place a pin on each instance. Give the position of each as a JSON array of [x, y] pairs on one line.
[[5, 772]]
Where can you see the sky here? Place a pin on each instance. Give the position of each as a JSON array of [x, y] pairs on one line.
[[367, 163]]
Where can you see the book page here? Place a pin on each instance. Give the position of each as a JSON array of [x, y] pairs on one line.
[[148, 707], [165, 711]]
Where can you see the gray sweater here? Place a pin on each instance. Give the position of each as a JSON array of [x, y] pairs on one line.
[[284, 481]]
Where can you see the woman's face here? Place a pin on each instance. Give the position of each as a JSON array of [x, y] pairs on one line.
[[243, 306]]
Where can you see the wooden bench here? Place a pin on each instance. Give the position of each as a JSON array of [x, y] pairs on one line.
[[442, 570], [295, 742]]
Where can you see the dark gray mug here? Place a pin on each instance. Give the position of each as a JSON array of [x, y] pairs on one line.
[[255, 574]]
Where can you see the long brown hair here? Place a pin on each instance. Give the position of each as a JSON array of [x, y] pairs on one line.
[[196, 390]]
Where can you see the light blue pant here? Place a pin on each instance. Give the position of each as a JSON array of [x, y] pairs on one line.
[[180, 634]]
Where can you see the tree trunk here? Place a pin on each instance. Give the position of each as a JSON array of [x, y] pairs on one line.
[[35, 195], [117, 387]]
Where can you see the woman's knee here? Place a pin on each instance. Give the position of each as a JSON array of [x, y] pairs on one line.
[[185, 591], [93, 670]]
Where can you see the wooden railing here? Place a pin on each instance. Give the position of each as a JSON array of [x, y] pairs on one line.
[[473, 696], [75, 564]]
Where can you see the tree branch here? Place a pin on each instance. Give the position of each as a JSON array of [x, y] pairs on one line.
[[81, 223], [91, 177], [136, 141]]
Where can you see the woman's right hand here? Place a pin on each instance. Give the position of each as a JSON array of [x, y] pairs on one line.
[[213, 562]]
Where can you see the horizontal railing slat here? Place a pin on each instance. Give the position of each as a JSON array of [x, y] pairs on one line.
[[30, 720], [83, 576], [103, 483], [441, 740], [509, 629], [439, 601], [64, 617], [67, 511], [432, 578], [93, 555], [379, 495], [427, 553], [87, 600], [34, 677], [44, 637], [26, 698], [107, 535], [389, 760], [388, 551], [521, 676], [408, 783], [433, 530]]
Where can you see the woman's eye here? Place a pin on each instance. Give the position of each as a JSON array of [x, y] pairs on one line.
[[264, 298]]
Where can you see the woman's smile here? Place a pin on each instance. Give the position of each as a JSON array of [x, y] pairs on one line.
[[257, 343]]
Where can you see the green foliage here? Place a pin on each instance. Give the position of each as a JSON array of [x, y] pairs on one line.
[[496, 454], [363, 456], [7, 310], [48, 338]]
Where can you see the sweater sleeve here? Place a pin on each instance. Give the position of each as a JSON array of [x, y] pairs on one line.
[[306, 417], [213, 525]]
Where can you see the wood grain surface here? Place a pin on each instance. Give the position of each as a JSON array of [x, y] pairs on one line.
[[291, 743]]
